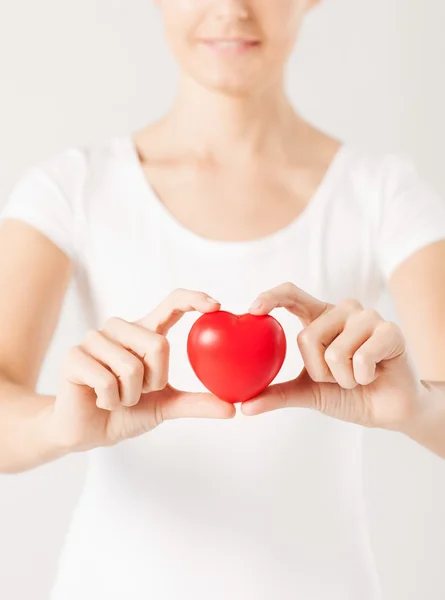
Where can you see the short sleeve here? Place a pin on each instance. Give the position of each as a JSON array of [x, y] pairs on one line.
[[412, 214], [45, 198]]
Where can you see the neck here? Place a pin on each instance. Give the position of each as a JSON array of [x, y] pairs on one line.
[[233, 127]]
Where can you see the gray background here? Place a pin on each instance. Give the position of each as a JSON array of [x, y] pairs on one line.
[[74, 72]]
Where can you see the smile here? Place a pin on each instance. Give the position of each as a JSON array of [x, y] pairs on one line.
[[231, 46]]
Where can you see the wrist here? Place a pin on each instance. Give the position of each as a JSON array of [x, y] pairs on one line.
[[51, 440], [426, 424], [65, 435], [417, 412]]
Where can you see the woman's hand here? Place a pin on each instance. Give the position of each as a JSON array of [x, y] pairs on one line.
[[115, 383], [356, 366]]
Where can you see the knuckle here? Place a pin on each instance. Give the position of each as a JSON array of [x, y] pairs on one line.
[[178, 292], [72, 356], [288, 286], [91, 337], [132, 368], [159, 379], [351, 304], [361, 356], [316, 376], [160, 344], [332, 355], [370, 314], [320, 375], [107, 382], [306, 337], [390, 327], [112, 323], [158, 386]]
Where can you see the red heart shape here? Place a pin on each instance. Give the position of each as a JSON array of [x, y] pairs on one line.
[[236, 356]]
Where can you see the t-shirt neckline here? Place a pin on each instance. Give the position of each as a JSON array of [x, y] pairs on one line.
[[209, 245]]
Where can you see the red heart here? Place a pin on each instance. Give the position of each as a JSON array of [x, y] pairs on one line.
[[236, 356]]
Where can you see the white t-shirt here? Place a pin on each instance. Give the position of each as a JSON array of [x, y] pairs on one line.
[[252, 508]]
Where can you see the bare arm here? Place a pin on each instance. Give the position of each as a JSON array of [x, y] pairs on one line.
[[34, 276], [25, 440], [418, 288], [428, 428], [114, 384]]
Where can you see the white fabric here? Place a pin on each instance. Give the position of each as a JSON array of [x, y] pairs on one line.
[[254, 508]]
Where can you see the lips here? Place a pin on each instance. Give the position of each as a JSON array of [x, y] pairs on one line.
[[231, 44]]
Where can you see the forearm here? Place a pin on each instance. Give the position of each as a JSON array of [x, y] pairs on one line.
[[24, 425], [428, 427]]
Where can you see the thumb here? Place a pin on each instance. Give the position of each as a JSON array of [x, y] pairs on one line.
[[302, 392], [175, 404]]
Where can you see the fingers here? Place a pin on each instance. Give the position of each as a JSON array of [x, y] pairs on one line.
[[82, 369], [325, 348], [345, 344], [129, 360], [339, 355], [300, 392], [177, 404], [146, 336], [127, 369], [332, 334], [275, 396], [386, 342], [162, 318], [125, 360], [294, 299], [150, 348]]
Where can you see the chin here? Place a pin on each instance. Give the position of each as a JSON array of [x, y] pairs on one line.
[[236, 86], [240, 90]]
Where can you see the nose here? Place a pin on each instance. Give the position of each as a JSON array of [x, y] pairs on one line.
[[232, 9]]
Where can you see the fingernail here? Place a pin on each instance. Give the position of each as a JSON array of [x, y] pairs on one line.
[[256, 304], [212, 300]]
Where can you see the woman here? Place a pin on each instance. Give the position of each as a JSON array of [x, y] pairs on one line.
[[231, 195]]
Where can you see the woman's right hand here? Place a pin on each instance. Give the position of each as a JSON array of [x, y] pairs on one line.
[[115, 384]]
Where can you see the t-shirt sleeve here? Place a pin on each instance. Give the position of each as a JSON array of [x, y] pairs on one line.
[[412, 214], [44, 196]]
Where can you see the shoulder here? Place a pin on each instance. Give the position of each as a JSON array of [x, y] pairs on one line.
[[55, 184], [393, 178], [377, 179], [381, 166], [51, 194], [72, 166]]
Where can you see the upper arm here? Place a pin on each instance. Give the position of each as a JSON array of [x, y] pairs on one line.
[[417, 286], [34, 276], [38, 250], [411, 257]]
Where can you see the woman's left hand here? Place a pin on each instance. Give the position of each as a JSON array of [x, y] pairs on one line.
[[356, 366]]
